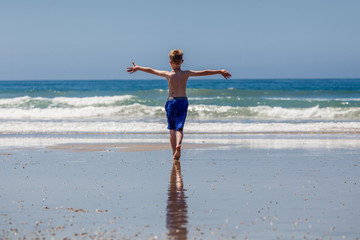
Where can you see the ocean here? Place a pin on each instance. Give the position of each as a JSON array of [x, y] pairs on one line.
[[104, 107]]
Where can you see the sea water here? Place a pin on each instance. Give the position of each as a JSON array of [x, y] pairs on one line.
[[215, 106]]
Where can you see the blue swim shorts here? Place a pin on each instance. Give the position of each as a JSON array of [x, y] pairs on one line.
[[176, 111]]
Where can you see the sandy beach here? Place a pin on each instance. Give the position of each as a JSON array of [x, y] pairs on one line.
[[251, 189]]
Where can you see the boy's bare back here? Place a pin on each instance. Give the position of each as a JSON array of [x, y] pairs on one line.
[[177, 80]]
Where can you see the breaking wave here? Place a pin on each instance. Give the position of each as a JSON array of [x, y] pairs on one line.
[[132, 107]]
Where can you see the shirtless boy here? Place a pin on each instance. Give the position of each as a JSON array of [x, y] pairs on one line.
[[177, 103]]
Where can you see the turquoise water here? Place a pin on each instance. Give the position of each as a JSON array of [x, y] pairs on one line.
[[35, 106]]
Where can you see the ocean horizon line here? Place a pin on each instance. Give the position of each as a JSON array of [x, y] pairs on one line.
[[198, 78]]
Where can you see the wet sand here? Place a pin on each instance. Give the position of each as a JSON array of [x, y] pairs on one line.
[[290, 189], [132, 147]]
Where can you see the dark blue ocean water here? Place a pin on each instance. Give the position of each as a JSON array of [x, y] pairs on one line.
[[279, 92]]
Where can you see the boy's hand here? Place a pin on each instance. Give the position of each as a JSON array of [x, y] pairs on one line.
[[133, 69], [225, 74]]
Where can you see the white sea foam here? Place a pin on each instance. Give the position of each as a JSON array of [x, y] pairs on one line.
[[295, 113], [253, 142], [128, 111], [129, 106], [306, 113], [274, 113], [25, 127], [19, 102], [308, 127], [91, 101], [313, 99], [201, 112]]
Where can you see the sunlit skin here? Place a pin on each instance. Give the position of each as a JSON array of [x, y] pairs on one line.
[[177, 80]]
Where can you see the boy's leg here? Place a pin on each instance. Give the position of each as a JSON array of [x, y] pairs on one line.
[[173, 140], [179, 137]]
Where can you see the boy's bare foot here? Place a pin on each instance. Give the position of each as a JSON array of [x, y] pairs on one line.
[[177, 153]]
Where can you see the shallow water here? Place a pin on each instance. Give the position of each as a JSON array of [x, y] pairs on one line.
[[255, 191]]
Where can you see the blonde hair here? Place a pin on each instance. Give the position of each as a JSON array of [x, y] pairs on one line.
[[176, 56]]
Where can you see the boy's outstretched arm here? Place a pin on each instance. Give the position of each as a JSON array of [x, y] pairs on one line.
[[223, 72], [135, 68]]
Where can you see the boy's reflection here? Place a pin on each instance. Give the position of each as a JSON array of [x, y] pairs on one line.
[[176, 211]]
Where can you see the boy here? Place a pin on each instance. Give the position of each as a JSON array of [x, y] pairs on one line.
[[177, 103]]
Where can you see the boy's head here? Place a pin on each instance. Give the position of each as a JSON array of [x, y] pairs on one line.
[[176, 57]]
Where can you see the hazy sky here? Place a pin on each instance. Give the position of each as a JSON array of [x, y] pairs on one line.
[[87, 39]]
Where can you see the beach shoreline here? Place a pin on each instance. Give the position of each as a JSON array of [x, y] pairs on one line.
[[123, 147], [225, 186]]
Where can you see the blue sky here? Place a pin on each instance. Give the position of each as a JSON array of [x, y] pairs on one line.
[[48, 39]]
